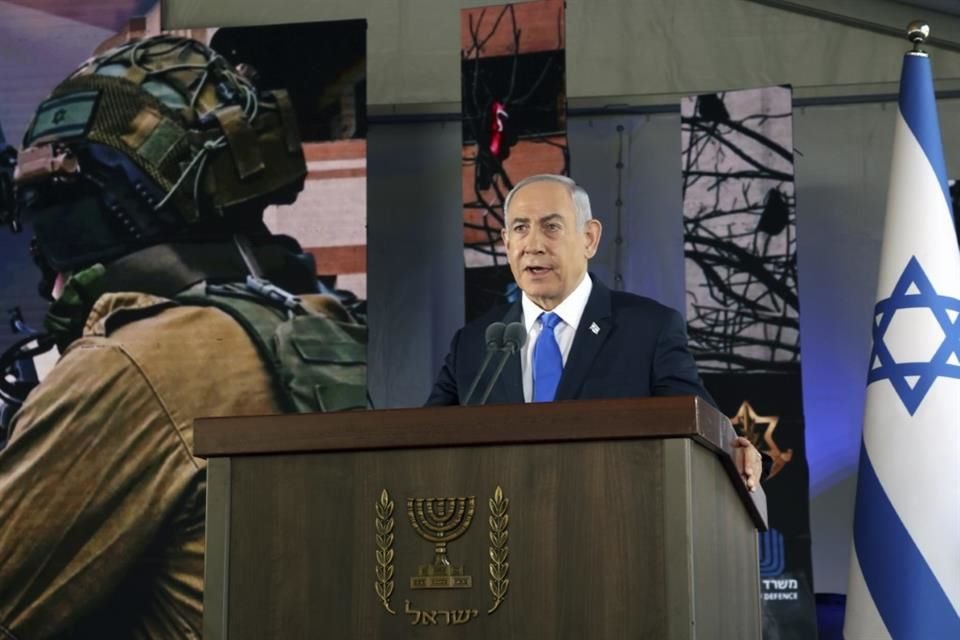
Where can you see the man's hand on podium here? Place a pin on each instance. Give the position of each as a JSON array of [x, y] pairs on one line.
[[749, 462]]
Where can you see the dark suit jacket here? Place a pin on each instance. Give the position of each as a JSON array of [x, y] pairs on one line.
[[640, 350]]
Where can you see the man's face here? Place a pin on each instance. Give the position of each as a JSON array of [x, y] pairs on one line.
[[546, 249]]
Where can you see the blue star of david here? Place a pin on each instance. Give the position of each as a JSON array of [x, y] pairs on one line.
[[925, 297]]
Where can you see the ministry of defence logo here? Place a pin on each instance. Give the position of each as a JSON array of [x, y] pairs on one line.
[[759, 431]]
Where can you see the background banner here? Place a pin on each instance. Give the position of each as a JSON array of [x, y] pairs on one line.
[[514, 125], [743, 314]]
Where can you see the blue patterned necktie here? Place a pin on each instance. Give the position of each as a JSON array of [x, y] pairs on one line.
[[547, 360]]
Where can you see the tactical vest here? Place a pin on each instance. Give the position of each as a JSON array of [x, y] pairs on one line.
[[316, 362]]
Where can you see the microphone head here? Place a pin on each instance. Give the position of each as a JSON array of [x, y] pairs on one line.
[[515, 336], [494, 335]]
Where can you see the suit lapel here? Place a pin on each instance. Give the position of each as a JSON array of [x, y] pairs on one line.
[[596, 325], [509, 388]]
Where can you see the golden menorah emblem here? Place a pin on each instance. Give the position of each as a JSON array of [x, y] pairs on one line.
[[441, 521]]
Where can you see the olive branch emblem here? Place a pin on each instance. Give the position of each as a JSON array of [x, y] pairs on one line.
[[499, 551], [384, 583]]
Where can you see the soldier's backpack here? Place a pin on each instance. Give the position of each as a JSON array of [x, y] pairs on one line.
[[317, 362]]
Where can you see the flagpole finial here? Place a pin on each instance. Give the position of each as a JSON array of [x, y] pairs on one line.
[[917, 33]]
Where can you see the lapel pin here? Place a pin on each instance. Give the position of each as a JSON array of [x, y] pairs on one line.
[[594, 328]]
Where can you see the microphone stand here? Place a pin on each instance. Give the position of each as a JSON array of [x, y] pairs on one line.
[[494, 337], [514, 338]]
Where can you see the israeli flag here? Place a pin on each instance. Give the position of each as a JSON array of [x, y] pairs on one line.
[[905, 565]]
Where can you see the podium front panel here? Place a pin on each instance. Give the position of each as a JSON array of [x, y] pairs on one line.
[[571, 540]]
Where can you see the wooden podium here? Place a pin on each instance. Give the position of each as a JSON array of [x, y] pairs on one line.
[[599, 520]]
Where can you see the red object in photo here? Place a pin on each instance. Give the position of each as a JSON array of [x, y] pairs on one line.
[[498, 114]]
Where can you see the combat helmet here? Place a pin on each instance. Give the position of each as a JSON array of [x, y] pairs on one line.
[[155, 140]]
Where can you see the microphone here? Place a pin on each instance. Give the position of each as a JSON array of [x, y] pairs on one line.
[[513, 340], [494, 341]]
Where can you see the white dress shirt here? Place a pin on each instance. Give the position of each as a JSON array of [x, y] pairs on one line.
[[570, 312]]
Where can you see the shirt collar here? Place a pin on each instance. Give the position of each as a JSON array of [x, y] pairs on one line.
[[570, 310]]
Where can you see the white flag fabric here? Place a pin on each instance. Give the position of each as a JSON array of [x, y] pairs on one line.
[[905, 566]]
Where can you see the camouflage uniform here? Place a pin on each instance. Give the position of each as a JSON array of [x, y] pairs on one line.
[[103, 501]]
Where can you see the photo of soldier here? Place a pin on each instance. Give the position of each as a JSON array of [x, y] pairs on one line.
[[144, 177]]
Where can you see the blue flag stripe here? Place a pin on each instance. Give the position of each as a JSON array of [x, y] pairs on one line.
[[904, 590], [918, 105]]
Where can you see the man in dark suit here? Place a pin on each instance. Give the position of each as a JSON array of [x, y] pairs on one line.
[[583, 340]]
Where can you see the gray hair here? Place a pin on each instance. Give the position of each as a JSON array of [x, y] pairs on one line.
[[581, 201]]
